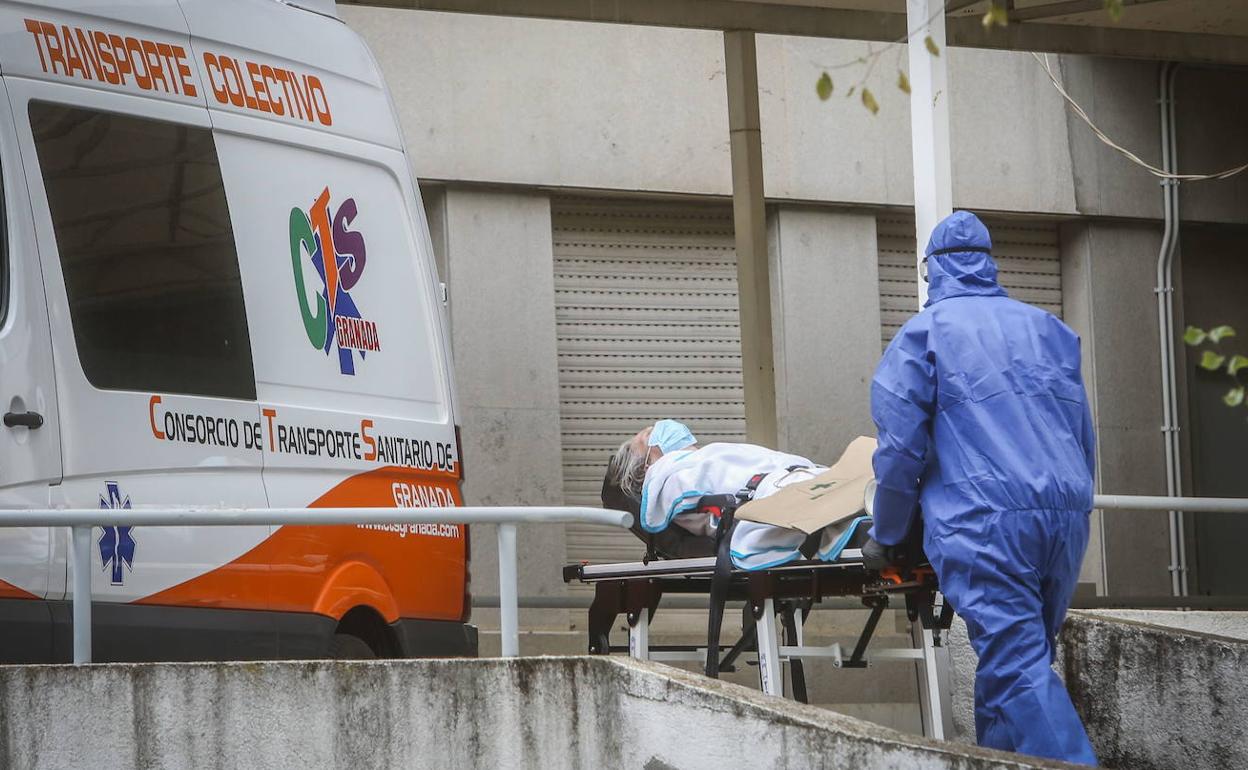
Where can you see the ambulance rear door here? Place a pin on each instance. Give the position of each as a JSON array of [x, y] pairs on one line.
[[150, 337], [30, 456]]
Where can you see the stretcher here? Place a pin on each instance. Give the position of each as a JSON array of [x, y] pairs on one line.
[[778, 602]]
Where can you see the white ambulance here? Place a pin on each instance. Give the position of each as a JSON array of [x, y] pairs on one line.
[[218, 289]]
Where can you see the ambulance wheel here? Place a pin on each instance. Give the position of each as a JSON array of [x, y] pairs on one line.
[[348, 647]]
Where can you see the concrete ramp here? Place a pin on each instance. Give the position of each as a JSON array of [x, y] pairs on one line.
[[528, 713]]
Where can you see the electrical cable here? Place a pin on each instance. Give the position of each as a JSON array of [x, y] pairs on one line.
[[1137, 160]]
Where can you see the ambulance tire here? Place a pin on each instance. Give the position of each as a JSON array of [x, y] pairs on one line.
[[348, 647]]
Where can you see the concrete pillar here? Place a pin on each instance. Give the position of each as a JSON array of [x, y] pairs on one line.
[[749, 221], [826, 317], [500, 271], [1108, 272]]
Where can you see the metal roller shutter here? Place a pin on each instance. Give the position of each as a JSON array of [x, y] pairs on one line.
[[646, 317], [1026, 252]]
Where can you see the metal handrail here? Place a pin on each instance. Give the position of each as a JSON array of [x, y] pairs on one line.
[[1163, 503], [82, 520]]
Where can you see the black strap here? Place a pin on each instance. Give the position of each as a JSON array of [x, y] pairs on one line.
[[720, 581], [960, 249]]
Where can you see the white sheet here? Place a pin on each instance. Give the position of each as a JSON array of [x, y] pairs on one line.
[[676, 481]]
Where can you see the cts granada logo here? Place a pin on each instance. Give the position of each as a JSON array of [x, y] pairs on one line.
[[321, 235]]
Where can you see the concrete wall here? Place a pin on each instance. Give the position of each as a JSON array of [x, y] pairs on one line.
[[1109, 271], [500, 272], [531, 713], [1157, 698], [1121, 95], [527, 102], [1155, 689], [826, 325], [1229, 624]]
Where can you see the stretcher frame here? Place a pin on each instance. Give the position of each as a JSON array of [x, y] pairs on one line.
[[778, 602]]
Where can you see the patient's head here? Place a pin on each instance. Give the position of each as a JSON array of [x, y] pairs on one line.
[[627, 469]]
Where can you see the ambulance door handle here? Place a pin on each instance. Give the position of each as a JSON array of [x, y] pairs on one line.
[[30, 420]]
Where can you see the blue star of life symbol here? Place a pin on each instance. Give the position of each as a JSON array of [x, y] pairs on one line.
[[116, 544]]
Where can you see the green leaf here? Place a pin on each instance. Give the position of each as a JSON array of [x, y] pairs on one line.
[[1220, 333], [1237, 362], [868, 101], [903, 82], [1114, 8], [824, 87], [1194, 336], [1234, 396], [996, 16], [852, 91], [931, 46], [1211, 361]]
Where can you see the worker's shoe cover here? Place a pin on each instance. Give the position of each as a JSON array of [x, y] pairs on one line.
[[1010, 575]]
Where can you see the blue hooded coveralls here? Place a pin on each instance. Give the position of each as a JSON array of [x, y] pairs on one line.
[[983, 419]]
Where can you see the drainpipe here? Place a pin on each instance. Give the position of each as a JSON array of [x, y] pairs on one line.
[[1165, 323]]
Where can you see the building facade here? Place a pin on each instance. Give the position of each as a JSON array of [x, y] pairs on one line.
[[577, 185]]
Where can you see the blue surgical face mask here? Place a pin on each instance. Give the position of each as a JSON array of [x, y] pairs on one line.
[[670, 435]]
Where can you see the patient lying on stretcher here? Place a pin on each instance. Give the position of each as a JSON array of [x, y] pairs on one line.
[[662, 472]]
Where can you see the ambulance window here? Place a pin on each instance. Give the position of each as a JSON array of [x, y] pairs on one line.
[[147, 249]]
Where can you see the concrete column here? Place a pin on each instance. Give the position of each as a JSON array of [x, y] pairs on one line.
[[1108, 272], [501, 277], [749, 221], [826, 315], [929, 123]]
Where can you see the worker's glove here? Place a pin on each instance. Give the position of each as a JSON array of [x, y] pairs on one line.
[[877, 556]]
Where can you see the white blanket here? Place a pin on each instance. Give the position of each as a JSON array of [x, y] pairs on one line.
[[676, 481]]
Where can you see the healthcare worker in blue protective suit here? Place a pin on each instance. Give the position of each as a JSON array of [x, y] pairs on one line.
[[984, 426]]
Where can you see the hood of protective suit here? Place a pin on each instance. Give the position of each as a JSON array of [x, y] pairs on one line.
[[970, 273]]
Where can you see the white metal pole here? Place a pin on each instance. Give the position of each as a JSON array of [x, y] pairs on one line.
[[934, 703], [507, 592], [929, 123], [82, 594]]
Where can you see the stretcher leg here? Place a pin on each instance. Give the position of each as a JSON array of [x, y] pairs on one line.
[[639, 635], [720, 582], [793, 637], [771, 680], [934, 695], [608, 599]]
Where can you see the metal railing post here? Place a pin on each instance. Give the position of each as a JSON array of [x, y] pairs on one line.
[[507, 591], [82, 594]]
